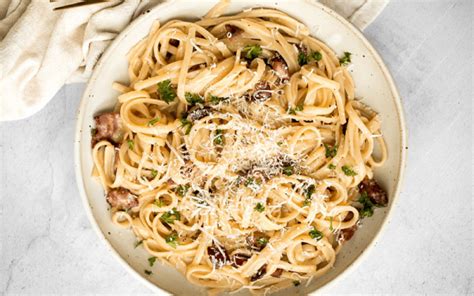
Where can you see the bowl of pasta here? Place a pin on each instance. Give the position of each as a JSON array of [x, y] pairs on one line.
[[239, 147]]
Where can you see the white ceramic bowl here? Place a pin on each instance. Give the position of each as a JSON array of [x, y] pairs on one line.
[[373, 83]]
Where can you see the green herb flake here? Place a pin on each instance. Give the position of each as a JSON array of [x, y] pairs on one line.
[[153, 121], [302, 58], [219, 138], [215, 100], [330, 224], [346, 59], [296, 283], [170, 216], [252, 51], [288, 170], [166, 91], [131, 144], [154, 173], [138, 243], [147, 272], [159, 203], [93, 132], [330, 151], [367, 205], [187, 125], [249, 181], [262, 241], [297, 108], [331, 166], [193, 99], [172, 239], [308, 192], [316, 55], [181, 190], [348, 171], [316, 234], [259, 207], [151, 261]]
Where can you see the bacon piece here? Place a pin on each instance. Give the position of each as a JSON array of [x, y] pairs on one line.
[[262, 92], [239, 259], [108, 126], [277, 273], [376, 194], [198, 112], [121, 199], [257, 240], [280, 67], [217, 255], [260, 273], [347, 233], [233, 32]]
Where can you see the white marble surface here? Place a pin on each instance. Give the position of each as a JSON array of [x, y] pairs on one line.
[[47, 245]]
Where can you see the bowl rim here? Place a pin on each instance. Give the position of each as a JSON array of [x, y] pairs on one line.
[[118, 39]]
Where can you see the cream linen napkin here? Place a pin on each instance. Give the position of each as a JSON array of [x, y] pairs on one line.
[[41, 50]]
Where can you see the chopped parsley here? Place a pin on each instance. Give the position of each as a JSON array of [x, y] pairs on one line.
[[316, 55], [308, 192], [131, 144], [330, 224], [259, 207], [288, 170], [138, 243], [151, 261], [296, 283], [193, 99], [346, 59], [348, 171], [262, 241], [216, 100], [181, 190], [187, 125], [252, 51], [316, 234], [330, 151], [166, 91], [331, 166], [153, 121], [299, 107], [249, 181], [219, 138], [159, 203], [367, 205], [172, 239], [170, 216], [147, 272], [154, 173], [302, 58]]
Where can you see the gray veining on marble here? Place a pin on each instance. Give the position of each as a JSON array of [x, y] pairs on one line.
[[47, 245]]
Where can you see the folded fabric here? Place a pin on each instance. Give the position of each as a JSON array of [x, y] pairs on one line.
[[41, 50]]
